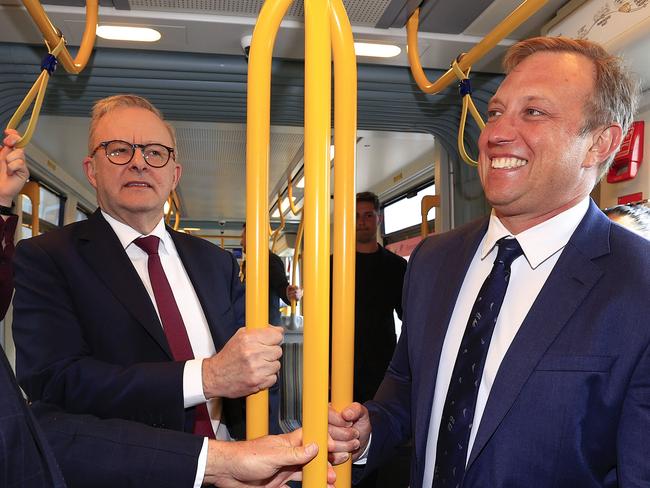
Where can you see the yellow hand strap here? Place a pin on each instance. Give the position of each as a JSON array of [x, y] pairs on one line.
[[37, 91], [468, 104]]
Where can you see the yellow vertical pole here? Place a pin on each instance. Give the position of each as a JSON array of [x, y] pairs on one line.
[[257, 191], [317, 230], [345, 127]]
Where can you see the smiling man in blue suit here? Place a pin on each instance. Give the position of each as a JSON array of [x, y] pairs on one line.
[[524, 359]]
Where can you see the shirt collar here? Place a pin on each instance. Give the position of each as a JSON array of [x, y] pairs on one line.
[[127, 234], [541, 241]]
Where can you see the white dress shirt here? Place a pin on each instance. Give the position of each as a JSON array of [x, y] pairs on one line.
[[191, 311], [542, 246]]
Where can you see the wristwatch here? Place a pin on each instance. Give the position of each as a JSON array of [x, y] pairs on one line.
[[6, 210]]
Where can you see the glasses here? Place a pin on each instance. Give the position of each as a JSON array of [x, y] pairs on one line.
[[121, 153]]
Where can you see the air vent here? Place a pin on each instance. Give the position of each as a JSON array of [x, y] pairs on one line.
[[360, 12]]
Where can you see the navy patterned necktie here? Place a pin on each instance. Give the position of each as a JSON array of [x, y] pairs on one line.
[[460, 404]]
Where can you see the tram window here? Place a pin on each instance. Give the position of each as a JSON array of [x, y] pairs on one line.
[[50, 212], [405, 212], [80, 214]]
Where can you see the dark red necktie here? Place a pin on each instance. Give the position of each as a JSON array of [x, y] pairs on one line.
[[172, 323]]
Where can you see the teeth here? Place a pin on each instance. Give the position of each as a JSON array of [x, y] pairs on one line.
[[138, 184], [507, 163]]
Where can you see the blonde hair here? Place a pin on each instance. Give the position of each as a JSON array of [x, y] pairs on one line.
[[106, 105], [616, 93]]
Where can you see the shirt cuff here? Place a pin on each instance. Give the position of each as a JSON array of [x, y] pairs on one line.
[[202, 463], [363, 459], [193, 383]]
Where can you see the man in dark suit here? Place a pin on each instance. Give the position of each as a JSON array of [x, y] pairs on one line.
[[526, 370], [92, 452], [90, 300]]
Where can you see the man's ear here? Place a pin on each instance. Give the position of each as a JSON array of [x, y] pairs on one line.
[[89, 170], [605, 143], [178, 171]]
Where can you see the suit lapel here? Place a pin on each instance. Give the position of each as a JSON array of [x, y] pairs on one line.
[[444, 292], [195, 265], [102, 250], [572, 278]]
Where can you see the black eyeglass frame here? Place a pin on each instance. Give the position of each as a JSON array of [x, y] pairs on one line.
[[142, 147]]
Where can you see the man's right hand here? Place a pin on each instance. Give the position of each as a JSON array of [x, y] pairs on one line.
[[13, 170], [269, 461], [349, 433], [248, 363]]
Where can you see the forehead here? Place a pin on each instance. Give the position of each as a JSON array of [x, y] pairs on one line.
[[363, 207], [132, 124], [551, 75]]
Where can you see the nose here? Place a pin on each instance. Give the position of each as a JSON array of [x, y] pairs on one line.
[[137, 161], [500, 131]]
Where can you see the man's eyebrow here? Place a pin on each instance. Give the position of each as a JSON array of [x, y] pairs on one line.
[[527, 99]]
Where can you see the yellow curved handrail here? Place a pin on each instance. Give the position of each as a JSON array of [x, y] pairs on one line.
[[292, 206], [326, 27], [426, 204], [460, 68], [168, 215], [52, 35], [276, 233], [505, 27], [257, 172], [343, 275], [60, 53], [37, 92], [296, 258], [177, 219]]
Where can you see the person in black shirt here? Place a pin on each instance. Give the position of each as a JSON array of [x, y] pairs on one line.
[[379, 279], [279, 287]]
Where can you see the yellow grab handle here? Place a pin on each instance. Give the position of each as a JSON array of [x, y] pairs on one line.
[[53, 36], [37, 91], [343, 276], [258, 118], [294, 210], [509, 24], [468, 104]]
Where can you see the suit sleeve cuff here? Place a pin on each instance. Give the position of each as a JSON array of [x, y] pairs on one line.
[[202, 463], [193, 383], [363, 459]]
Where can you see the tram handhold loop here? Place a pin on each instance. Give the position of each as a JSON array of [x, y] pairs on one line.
[[36, 94]]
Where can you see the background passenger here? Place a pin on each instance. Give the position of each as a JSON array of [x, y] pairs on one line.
[[634, 217], [279, 287], [379, 277], [378, 293]]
